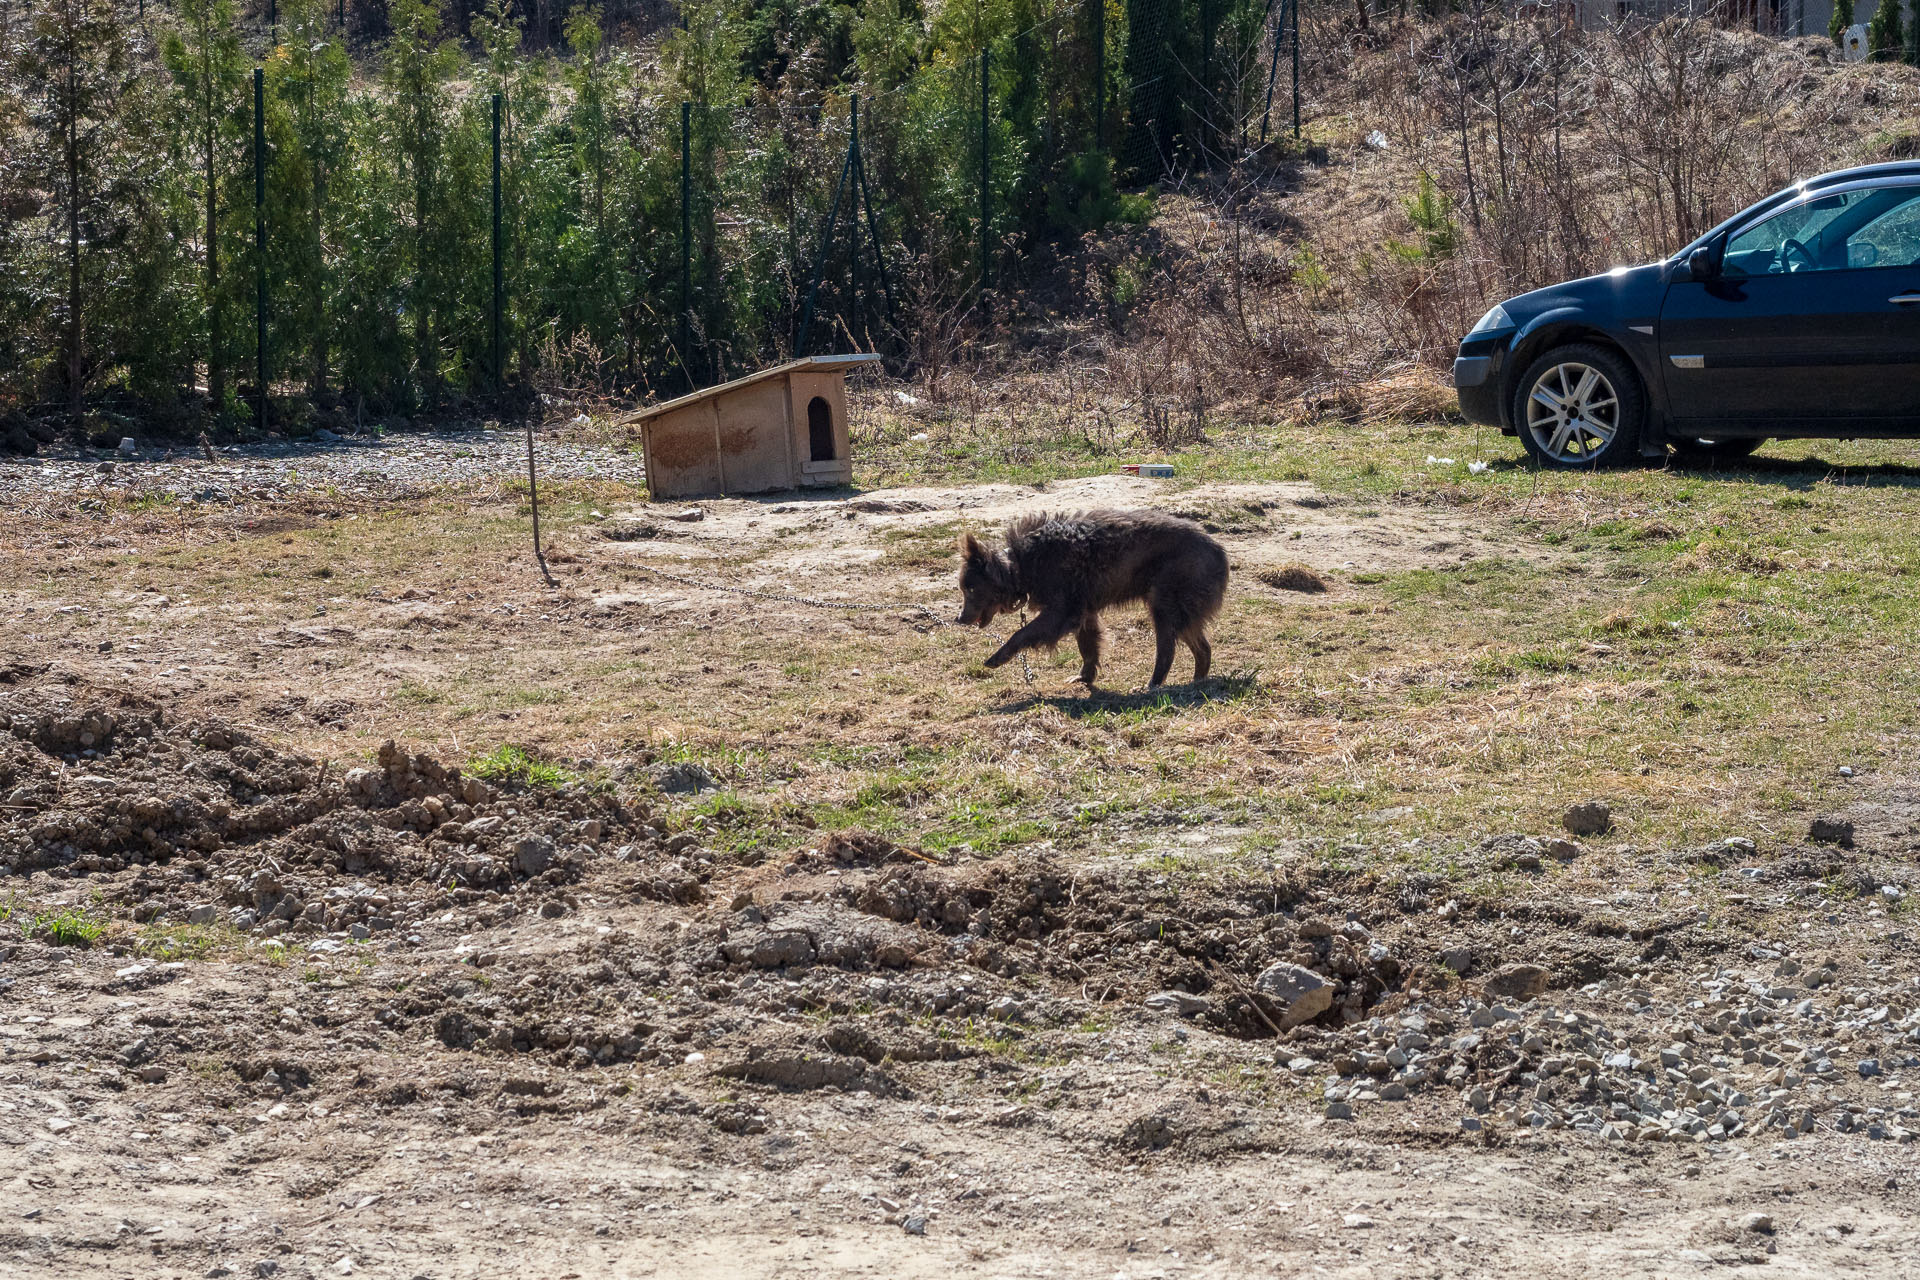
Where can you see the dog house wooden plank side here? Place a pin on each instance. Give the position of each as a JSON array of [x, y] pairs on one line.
[[752, 430], [683, 460], [803, 387]]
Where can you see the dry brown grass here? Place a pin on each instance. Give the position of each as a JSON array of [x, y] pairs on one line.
[[1480, 694]]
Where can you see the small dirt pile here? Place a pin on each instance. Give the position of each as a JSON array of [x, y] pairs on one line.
[[219, 827]]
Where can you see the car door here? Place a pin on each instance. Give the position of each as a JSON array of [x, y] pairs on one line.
[[1812, 324]]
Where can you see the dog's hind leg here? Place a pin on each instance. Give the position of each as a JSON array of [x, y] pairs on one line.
[[1196, 638], [1089, 638], [1166, 631]]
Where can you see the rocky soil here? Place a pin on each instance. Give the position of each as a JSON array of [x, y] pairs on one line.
[[263, 1014]]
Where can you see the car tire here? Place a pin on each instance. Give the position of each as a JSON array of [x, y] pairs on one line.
[[1695, 452], [1579, 407]]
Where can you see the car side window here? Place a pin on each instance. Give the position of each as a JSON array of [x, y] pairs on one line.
[[1791, 240], [1866, 227], [1891, 239]]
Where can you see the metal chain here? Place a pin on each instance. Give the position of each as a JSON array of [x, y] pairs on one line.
[[786, 598], [1026, 668]]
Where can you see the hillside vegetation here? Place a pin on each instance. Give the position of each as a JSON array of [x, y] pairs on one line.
[[1161, 259]]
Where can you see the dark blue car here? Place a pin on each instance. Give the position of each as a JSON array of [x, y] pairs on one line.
[[1798, 317]]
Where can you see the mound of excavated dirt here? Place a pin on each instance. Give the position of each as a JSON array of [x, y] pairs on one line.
[[219, 827], [418, 976], [860, 966]]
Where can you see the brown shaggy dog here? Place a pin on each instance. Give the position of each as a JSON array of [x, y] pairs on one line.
[[1071, 567]]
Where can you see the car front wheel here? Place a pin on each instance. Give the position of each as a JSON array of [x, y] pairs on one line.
[[1580, 406]]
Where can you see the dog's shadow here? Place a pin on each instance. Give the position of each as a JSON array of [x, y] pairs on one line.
[[1235, 687]]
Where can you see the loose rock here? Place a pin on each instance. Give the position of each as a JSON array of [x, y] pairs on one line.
[[1178, 1002], [1828, 828], [1303, 993], [1517, 982], [1588, 818]]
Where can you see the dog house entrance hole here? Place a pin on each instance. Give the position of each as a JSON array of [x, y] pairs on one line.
[[820, 428]]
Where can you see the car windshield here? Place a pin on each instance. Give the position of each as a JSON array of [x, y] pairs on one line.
[[1866, 227]]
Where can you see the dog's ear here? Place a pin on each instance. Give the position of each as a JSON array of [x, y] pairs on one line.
[[970, 549]]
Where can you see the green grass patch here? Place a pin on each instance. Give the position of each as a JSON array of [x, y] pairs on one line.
[[410, 694], [515, 764], [66, 927], [190, 942]]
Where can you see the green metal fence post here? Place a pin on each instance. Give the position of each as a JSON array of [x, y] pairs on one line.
[[986, 180], [1099, 75], [1206, 80], [873, 229], [820, 259], [1273, 71], [686, 241], [260, 244], [1296, 67], [499, 364], [853, 221]]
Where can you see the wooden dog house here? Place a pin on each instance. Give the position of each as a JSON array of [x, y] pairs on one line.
[[781, 428]]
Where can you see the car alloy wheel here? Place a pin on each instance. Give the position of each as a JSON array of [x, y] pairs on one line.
[[1573, 413]]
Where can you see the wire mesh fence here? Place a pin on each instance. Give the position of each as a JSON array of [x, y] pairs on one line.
[[197, 215]]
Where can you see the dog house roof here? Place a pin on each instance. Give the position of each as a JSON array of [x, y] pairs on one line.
[[808, 363]]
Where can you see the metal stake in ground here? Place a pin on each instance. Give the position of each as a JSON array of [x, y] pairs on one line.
[[533, 500]]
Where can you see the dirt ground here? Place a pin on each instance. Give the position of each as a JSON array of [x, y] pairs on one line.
[[276, 999]]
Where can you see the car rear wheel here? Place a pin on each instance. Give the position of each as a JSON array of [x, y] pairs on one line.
[[1694, 452], [1580, 406]]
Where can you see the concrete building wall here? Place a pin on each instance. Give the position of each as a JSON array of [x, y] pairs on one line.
[[1783, 18]]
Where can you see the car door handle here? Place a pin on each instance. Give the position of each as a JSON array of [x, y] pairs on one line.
[[1904, 299]]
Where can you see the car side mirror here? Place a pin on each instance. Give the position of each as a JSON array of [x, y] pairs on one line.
[[1701, 264]]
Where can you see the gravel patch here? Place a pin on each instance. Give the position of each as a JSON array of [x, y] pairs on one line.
[[1767, 1050], [388, 465]]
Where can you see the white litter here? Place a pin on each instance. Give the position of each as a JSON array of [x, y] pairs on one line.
[[1475, 468], [919, 437], [1438, 462], [1377, 140]]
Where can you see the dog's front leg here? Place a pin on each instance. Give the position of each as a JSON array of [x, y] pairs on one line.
[[1089, 637], [1047, 629]]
